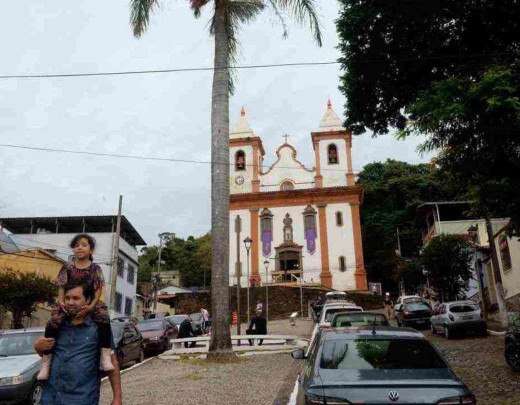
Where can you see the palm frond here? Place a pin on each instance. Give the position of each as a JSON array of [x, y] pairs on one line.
[[140, 15], [278, 14], [303, 11], [196, 6]]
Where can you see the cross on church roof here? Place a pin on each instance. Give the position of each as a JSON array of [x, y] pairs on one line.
[[286, 136]]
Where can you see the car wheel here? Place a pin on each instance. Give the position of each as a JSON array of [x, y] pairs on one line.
[[447, 333], [141, 356], [512, 355], [35, 396]]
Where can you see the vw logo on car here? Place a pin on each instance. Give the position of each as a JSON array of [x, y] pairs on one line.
[[393, 395]]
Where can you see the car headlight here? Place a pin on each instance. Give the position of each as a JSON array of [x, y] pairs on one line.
[[15, 380]]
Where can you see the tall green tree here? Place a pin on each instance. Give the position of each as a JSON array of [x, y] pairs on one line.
[[392, 192], [447, 259], [227, 18], [447, 69], [22, 291]]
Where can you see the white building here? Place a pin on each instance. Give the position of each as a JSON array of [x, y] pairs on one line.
[[300, 220], [54, 234]]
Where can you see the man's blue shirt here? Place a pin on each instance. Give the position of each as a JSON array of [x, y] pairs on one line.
[[74, 378]]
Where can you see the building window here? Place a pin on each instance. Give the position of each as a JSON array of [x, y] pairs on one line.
[[119, 302], [339, 218], [128, 306], [332, 153], [342, 264], [309, 225], [131, 274], [287, 186], [505, 255], [120, 267], [266, 231], [240, 160]]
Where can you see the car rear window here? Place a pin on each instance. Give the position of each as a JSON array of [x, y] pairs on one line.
[[417, 306], [150, 325], [359, 319], [460, 308], [330, 312], [370, 354]]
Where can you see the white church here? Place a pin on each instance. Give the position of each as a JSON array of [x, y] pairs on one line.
[[302, 222]]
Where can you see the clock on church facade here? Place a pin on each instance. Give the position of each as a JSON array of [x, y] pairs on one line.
[[304, 221]]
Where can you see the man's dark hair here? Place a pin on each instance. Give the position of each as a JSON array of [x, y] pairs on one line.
[[91, 241], [88, 290]]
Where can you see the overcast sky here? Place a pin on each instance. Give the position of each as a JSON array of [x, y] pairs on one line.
[[164, 115]]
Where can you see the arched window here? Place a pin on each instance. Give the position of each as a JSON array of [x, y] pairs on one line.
[[505, 255], [339, 218], [266, 231], [240, 160], [342, 264], [287, 186], [332, 153], [309, 225]]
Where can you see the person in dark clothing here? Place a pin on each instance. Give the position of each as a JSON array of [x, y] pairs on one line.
[[186, 331], [257, 326]]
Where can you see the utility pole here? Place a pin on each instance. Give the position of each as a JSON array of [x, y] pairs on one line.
[[502, 313], [115, 256], [238, 271], [162, 236]]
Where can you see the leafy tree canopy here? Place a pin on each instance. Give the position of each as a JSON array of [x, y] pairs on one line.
[[447, 259], [22, 291], [447, 69]]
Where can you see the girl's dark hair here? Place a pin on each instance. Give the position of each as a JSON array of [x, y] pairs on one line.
[[91, 241]]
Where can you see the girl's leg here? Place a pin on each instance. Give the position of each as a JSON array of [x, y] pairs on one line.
[[52, 330], [105, 336]]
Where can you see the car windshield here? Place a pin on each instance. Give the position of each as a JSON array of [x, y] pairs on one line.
[[17, 344], [460, 308], [359, 319], [417, 306], [177, 319], [150, 325], [332, 311], [370, 354]]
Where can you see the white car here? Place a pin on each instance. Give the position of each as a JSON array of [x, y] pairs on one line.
[[450, 317], [329, 309], [403, 298]]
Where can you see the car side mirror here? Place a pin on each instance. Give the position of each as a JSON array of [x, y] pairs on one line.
[[298, 354]]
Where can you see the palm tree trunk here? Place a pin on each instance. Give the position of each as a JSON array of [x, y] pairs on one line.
[[220, 336]]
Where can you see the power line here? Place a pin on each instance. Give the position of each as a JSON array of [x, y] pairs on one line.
[[142, 157], [157, 71]]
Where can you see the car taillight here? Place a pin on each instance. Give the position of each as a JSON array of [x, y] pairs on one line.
[[465, 400], [312, 399], [406, 313], [451, 317]]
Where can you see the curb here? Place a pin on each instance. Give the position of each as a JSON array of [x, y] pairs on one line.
[[495, 333], [121, 372]]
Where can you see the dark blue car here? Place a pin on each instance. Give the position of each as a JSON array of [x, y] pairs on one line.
[[376, 365]]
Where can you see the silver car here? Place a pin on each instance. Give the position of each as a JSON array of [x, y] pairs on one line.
[[457, 316], [19, 365]]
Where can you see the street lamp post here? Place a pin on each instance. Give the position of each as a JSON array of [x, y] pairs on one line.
[[247, 243], [266, 264]]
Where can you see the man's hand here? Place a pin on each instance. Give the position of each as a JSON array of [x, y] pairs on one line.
[[117, 401], [43, 344]]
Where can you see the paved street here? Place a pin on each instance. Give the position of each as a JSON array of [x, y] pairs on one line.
[[479, 362]]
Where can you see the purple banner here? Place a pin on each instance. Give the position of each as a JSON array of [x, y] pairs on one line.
[[267, 238], [310, 237]]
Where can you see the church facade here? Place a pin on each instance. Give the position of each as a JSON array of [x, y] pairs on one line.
[[303, 223]]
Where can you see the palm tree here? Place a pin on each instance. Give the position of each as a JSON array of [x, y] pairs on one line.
[[228, 16]]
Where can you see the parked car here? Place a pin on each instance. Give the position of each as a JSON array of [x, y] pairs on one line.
[[376, 365], [413, 313], [156, 335], [356, 319], [196, 324], [19, 365], [331, 308], [457, 316], [176, 320], [512, 342], [407, 298], [128, 342]]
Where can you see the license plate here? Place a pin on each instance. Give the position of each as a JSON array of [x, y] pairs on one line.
[[421, 321]]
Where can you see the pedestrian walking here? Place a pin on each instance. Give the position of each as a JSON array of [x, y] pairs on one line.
[[186, 331], [83, 270], [389, 306], [257, 326], [259, 306], [205, 319]]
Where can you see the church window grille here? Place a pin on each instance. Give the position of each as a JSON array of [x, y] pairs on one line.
[[240, 160], [332, 153], [342, 263], [309, 222], [339, 218], [266, 231], [287, 186]]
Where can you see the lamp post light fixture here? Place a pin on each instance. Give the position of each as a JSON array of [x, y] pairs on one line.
[[266, 264], [247, 243]]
